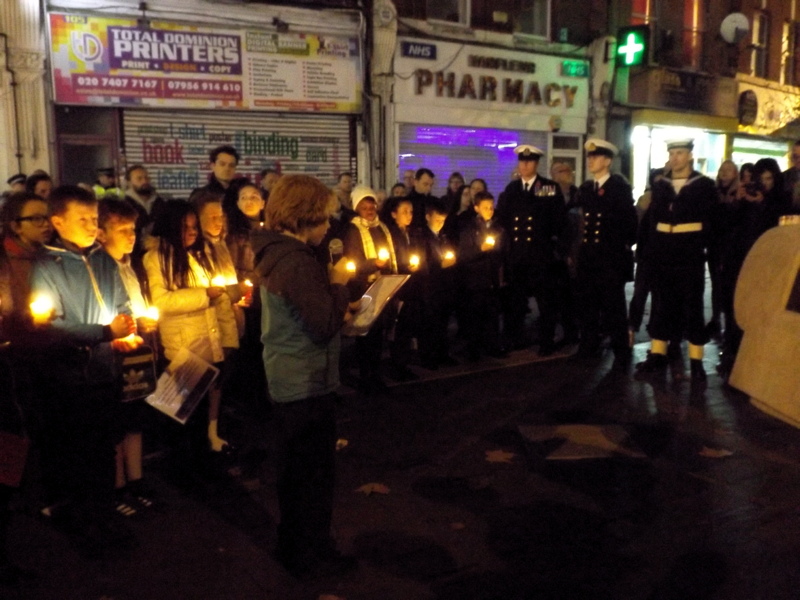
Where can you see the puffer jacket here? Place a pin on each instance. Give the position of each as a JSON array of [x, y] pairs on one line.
[[301, 316], [188, 317], [87, 293]]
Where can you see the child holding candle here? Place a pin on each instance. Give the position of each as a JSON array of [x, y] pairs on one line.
[[195, 313], [117, 235], [368, 242], [79, 374], [437, 289], [482, 251], [406, 242]]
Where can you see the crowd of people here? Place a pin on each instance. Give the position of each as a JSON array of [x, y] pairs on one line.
[[258, 278]]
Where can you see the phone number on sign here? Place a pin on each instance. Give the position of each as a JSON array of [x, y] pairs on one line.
[[115, 86], [193, 88]]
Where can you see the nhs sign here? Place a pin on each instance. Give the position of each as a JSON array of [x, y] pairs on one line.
[[418, 50]]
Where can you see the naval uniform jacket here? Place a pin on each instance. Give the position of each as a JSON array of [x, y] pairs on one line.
[[534, 222], [679, 224], [610, 226]]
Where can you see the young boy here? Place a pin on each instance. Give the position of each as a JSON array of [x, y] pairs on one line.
[[438, 284], [91, 324], [481, 252], [117, 235]]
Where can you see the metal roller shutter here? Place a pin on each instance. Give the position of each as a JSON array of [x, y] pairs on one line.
[[475, 153], [174, 146]]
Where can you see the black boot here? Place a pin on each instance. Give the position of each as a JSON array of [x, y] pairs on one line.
[[654, 363], [698, 372]]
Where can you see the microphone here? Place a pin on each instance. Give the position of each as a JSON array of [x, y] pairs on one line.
[[336, 249]]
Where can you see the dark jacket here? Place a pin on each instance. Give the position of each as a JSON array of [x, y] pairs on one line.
[[693, 205], [535, 222], [418, 201], [610, 226], [481, 270], [301, 316]]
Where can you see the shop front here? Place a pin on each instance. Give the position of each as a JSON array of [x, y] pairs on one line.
[[767, 116], [162, 91], [460, 107], [676, 104]]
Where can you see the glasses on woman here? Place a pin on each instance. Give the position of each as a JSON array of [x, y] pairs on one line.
[[37, 220]]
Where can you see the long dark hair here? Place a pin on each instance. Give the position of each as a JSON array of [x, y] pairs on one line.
[[238, 222], [173, 256]]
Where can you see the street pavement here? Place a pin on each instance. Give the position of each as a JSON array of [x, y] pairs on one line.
[[514, 479]]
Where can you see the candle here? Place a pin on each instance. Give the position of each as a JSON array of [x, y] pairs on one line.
[[383, 254], [449, 255], [42, 309], [350, 266], [490, 240], [248, 294], [152, 313], [413, 260], [218, 281]]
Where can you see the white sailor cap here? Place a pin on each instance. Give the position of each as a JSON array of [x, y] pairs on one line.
[[362, 192], [597, 146], [674, 143], [528, 152]]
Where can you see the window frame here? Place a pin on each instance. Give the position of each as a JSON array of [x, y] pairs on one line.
[[548, 19], [464, 12], [759, 59]]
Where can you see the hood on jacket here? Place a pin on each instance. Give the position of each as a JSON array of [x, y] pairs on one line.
[[270, 247]]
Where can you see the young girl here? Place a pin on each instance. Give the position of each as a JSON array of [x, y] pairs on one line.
[[195, 313]]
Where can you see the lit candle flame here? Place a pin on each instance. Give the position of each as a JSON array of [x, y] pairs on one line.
[[219, 281], [41, 309], [383, 254], [490, 240], [152, 313], [248, 283], [413, 260], [350, 266], [449, 255]]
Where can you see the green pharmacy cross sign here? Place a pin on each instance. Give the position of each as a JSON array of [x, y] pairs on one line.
[[632, 45]]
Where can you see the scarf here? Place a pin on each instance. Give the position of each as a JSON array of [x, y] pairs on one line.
[[367, 242]]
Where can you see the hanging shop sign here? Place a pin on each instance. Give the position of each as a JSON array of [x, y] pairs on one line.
[[492, 79], [121, 62]]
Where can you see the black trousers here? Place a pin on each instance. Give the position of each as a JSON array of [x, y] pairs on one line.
[[78, 447], [641, 290], [544, 288], [678, 303], [601, 301], [306, 455], [434, 345], [482, 325]]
